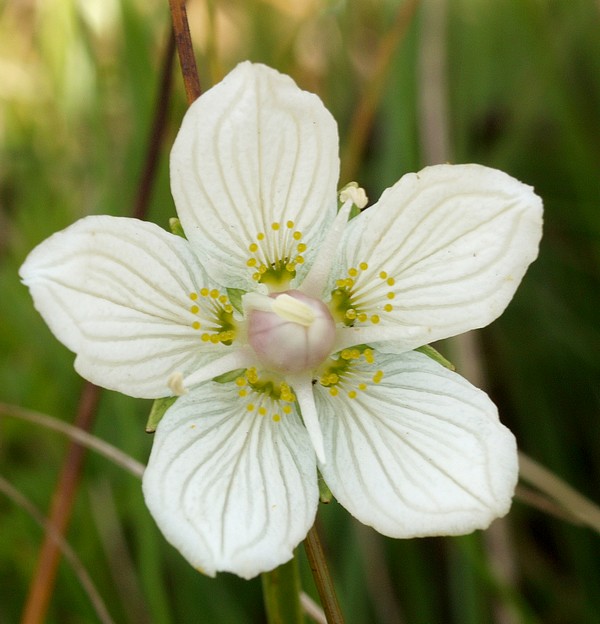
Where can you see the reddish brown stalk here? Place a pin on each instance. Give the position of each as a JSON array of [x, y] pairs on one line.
[[323, 580], [185, 50], [42, 584]]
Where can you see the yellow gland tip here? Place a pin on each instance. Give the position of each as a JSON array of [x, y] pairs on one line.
[[193, 296], [363, 266]]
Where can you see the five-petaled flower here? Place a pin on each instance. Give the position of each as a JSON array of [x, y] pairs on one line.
[[318, 315]]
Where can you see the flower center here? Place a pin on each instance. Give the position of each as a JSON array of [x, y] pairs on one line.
[[290, 332], [274, 256]]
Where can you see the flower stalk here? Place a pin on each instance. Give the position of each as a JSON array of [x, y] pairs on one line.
[[281, 594]]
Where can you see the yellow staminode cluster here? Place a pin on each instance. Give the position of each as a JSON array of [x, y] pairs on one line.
[[267, 396], [216, 316], [343, 375], [350, 297], [275, 256]]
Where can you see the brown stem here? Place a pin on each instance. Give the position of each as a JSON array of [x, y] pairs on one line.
[[322, 578], [185, 50], [42, 584]]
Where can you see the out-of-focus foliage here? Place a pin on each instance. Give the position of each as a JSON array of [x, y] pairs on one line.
[[521, 87]]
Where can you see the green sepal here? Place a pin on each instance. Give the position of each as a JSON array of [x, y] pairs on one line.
[[175, 225], [235, 297], [435, 355], [157, 411], [325, 495], [229, 376]]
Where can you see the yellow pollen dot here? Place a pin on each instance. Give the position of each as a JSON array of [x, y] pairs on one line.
[[275, 226], [204, 292], [251, 262], [340, 283], [196, 325], [290, 267], [276, 417], [390, 295], [333, 391], [388, 307], [352, 272], [299, 260], [363, 266], [391, 281], [378, 376], [256, 276], [301, 247], [290, 224], [228, 308], [355, 354], [375, 319], [287, 409], [362, 317], [368, 356], [345, 354], [262, 269], [223, 299], [214, 293], [253, 247], [352, 394], [193, 296], [260, 236], [351, 314], [240, 381], [383, 275], [250, 407], [194, 309], [362, 386], [297, 235], [262, 410], [348, 283], [243, 392], [214, 338]]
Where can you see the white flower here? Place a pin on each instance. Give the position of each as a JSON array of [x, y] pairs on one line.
[[405, 445]]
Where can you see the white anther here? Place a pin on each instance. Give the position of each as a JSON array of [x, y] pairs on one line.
[[175, 384], [354, 193]]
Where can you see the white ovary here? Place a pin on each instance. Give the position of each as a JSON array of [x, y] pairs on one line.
[[290, 332]]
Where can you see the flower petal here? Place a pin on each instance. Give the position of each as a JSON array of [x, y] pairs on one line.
[[420, 453], [116, 291], [232, 490], [446, 249], [253, 151]]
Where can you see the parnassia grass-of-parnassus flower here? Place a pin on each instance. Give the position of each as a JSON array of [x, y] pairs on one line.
[[315, 314]]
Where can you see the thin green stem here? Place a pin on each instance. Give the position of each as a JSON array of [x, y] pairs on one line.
[[281, 593], [323, 580]]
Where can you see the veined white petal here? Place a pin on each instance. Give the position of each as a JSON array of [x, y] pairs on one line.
[[420, 453], [446, 249], [232, 490], [116, 291], [253, 151]]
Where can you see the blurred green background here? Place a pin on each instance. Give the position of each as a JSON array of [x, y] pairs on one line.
[[513, 84]]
